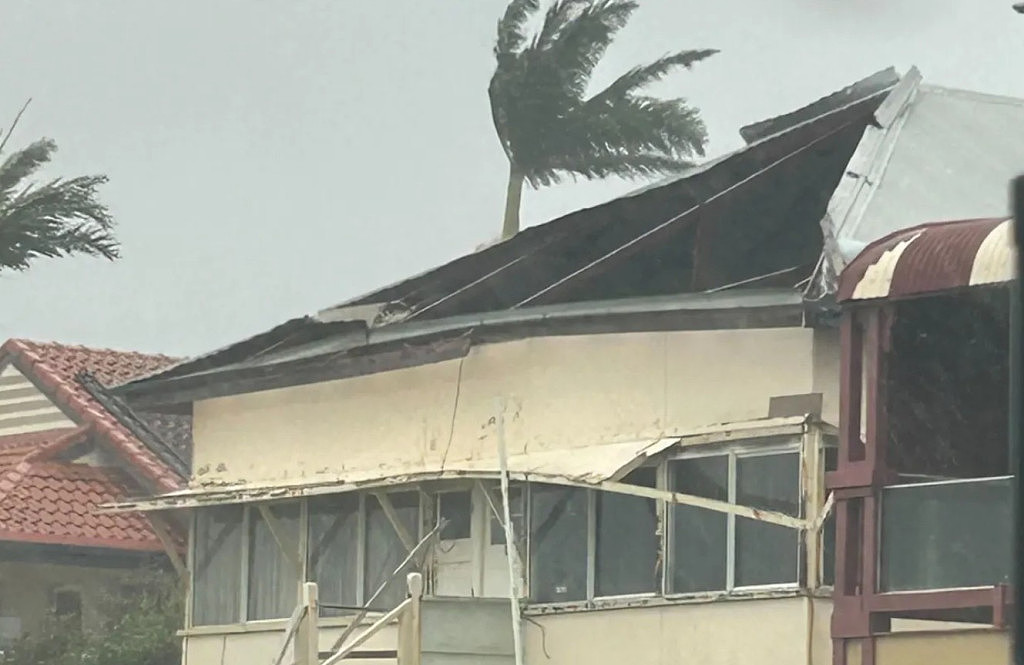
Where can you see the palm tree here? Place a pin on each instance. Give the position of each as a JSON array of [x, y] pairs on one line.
[[60, 217], [549, 128]]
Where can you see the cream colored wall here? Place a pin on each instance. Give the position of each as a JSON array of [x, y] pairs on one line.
[[564, 392], [973, 647], [772, 631], [25, 589], [826, 372], [751, 632], [259, 645]]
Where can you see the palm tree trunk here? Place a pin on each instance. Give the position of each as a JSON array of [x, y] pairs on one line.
[[513, 197]]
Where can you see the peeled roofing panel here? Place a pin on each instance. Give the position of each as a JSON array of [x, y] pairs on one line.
[[953, 156]]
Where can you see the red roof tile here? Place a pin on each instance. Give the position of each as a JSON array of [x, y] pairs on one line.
[[46, 500], [55, 367]]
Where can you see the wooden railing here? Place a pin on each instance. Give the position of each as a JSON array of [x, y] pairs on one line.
[[408, 616], [303, 628]]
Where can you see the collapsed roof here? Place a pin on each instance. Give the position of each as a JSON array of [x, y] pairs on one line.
[[749, 220]]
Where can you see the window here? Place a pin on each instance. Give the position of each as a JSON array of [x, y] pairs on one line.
[[217, 583], [354, 548], [586, 544], [385, 550], [699, 537], [558, 543], [457, 509], [334, 537], [767, 553], [273, 575], [713, 551], [627, 540]]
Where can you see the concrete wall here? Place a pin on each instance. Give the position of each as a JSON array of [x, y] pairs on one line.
[[755, 632], [973, 646], [26, 590], [564, 392], [751, 632], [259, 644]]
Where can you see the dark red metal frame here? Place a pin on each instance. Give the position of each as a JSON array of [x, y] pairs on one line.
[[860, 612]]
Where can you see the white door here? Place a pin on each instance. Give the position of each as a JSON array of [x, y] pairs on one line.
[[454, 554], [470, 559], [495, 566]]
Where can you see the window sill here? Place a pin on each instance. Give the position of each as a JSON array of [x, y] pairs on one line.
[[623, 602], [269, 626]]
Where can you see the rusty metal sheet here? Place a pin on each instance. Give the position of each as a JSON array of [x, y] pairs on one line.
[[929, 259]]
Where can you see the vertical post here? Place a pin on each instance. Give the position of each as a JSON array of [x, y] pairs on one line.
[[510, 543], [307, 643], [1016, 394], [410, 635]]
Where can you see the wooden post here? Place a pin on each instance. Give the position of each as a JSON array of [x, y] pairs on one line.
[[510, 541], [409, 624], [307, 643]]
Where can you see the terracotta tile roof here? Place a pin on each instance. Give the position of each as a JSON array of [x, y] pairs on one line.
[[55, 368], [46, 500]]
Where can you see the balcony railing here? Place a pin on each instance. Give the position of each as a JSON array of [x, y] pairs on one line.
[[950, 534]]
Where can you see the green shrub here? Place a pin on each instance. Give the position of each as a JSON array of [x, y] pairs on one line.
[[139, 628]]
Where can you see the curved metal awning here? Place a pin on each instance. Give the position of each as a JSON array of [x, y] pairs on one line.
[[931, 258]]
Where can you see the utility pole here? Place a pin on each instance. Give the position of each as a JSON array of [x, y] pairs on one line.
[[1016, 395]]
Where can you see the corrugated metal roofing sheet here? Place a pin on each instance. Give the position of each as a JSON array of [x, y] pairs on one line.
[[930, 259], [937, 154]]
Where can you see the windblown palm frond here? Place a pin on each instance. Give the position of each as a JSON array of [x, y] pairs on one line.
[[510, 27], [550, 129], [56, 218]]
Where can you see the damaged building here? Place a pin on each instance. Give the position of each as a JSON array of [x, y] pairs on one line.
[[623, 417]]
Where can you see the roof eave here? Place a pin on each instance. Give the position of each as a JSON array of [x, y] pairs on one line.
[[426, 342]]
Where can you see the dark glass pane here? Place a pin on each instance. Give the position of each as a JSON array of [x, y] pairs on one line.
[[273, 579], [828, 550], [384, 549], [217, 578], [831, 459], [767, 553], [698, 537], [334, 550], [558, 544], [627, 540], [943, 536], [457, 509]]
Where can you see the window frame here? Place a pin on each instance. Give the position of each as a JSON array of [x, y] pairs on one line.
[[243, 572], [591, 599], [749, 448], [809, 446], [247, 534]]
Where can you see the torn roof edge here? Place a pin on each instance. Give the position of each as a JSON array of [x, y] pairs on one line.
[[866, 87]]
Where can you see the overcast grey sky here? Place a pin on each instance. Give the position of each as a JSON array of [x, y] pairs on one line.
[[269, 158]]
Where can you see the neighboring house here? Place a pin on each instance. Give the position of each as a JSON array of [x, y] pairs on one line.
[[924, 483], [657, 377], [66, 448]]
